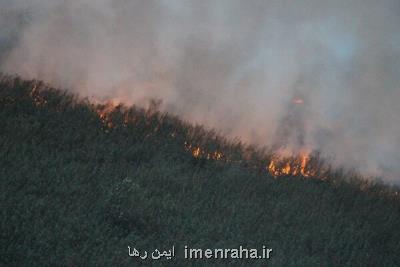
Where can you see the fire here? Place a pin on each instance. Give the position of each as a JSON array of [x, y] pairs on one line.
[[304, 164], [104, 111], [215, 155], [283, 164], [196, 152], [37, 98], [199, 152], [292, 166], [278, 166]]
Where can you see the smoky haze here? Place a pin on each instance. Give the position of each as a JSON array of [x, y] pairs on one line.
[[321, 75]]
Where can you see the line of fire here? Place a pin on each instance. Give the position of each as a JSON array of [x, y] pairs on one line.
[[304, 163]]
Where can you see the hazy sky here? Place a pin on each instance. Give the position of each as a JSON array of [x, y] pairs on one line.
[[232, 65]]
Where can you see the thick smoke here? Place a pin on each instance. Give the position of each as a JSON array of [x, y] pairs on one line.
[[323, 75]]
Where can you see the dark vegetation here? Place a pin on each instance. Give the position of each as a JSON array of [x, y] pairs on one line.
[[78, 188]]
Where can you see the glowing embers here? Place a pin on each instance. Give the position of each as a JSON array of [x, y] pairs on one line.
[[199, 152], [104, 112], [37, 98], [298, 165], [308, 165]]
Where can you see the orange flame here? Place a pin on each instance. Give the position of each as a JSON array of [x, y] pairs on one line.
[[198, 152], [104, 111], [279, 166], [291, 166]]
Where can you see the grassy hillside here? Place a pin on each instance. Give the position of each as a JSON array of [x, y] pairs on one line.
[[79, 185]]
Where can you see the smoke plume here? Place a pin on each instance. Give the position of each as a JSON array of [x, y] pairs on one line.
[[323, 75]]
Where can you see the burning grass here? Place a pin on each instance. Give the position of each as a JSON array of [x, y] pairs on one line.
[[308, 165], [201, 144], [99, 177], [304, 163]]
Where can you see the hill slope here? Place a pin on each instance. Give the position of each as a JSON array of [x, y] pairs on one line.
[[77, 189]]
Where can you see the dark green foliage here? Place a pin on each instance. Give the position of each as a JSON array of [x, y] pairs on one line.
[[76, 192]]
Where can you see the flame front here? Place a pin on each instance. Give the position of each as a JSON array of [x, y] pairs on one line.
[[104, 111], [291, 166], [198, 152], [279, 166]]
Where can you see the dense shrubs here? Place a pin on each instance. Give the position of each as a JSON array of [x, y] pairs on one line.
[[77, 188]]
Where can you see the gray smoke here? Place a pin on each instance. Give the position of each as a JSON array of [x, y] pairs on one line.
[[242, 67]]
